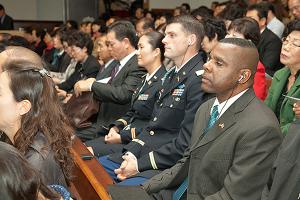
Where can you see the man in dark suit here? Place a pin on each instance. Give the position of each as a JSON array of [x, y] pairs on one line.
[[164, 139], [6, 22], [235, 136], [269, 46], [284, 180], [114, 94]]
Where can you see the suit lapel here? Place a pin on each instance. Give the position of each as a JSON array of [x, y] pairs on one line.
[[227, 120], [182, 74], [119, 76]]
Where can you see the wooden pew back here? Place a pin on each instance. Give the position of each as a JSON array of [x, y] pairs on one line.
[[91, 179]]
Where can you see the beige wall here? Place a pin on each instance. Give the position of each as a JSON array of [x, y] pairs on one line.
[[34, 9], [168, 4]]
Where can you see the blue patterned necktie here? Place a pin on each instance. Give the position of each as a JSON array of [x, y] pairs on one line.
[[183, 186], [213, 117]]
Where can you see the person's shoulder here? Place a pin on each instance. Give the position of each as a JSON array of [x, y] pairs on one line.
[[281, 72]]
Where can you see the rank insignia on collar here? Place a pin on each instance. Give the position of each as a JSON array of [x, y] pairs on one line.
[[221, 125]]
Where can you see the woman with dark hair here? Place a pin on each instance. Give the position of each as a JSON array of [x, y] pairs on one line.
[[18, 179], [31, 115], [286, 81], [215, 30], [150, 56], [248, 28]]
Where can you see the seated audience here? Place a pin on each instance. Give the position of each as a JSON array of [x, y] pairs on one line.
[[58, 59], [143, 26], [105, 58], [248, 28], [294, 8], [116, 92], [18, 179], [40, 44], [33, 119], [30, 36], [16, 40], [215, 30], [161, 142], [269, 45], [202, 13], [273, 23], [122, 131], [87, 65], [60, 77], [286, 80], [235, 137]]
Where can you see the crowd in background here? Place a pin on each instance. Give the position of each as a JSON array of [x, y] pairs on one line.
[[145, 74]]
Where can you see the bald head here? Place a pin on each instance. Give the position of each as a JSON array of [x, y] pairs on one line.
[[19, 54], [246, 56]]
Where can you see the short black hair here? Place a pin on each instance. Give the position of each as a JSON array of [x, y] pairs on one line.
[[148, 23], [233, 11], [124, 29], [248, 27], [187, 6], [213, 28], [239, 42], [16, 40], [81, 40], [262, 11], [268, 6], [2, 7], [203, 12], [292, 26], [190, 25]]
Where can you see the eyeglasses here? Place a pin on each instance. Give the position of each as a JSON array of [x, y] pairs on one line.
[[294, 42], [296, 8]]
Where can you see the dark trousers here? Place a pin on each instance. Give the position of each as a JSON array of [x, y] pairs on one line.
[[110, 166]]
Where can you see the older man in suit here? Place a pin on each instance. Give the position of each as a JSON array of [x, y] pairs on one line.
[[114, 94]]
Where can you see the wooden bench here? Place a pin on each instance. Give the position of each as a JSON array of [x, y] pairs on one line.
[[91, 179]]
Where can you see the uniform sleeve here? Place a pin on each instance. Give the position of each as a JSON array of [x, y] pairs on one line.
[[167, 155]]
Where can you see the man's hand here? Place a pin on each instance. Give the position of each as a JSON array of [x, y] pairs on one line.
[[60, 92], [113, 137], [83, 86], [129, 167], [296, 109]]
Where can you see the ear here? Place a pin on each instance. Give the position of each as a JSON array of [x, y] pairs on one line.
[[24, 107], [157, 52], [263, 21], [84, 49], [246, 74], [192, 39], [126, 43]]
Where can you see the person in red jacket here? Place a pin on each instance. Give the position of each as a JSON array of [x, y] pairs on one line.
[[248, 28]]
